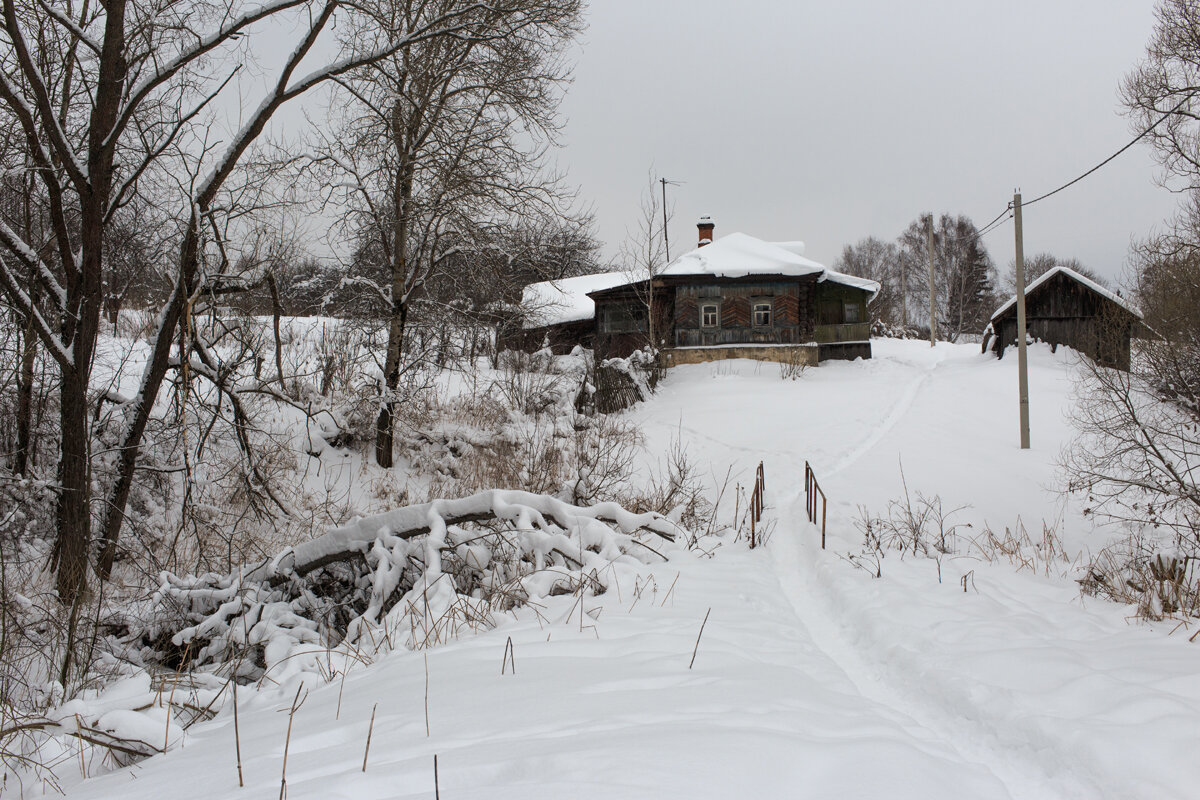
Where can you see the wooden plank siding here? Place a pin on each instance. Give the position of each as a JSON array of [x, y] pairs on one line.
[[790, 319], [787, 309], [735, 312], [1064, 311], [678, 300]]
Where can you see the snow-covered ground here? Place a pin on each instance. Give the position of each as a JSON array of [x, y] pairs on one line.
[[813, 678]]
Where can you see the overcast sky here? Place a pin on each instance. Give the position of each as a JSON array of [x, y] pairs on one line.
[[833, 121]]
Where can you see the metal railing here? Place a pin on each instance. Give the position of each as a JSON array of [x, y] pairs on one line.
[[812, 492], [756, 504]]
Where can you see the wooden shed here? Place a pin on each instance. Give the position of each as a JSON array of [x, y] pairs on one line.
[[1064, 307]]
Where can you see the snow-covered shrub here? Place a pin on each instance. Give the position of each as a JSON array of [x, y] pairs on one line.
[[1136, 571], [136, 323], [881, 329]]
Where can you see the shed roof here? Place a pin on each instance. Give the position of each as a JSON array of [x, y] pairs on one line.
[[565, 300], [1108, 294]]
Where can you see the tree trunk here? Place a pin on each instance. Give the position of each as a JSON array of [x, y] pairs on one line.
[[24, 456], [276, 313], [74, 504], [401, 204], [385, 425]]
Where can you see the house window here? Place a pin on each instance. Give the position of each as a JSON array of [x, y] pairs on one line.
[[622, 318], [762, 315], [850, 311], [710, 315]]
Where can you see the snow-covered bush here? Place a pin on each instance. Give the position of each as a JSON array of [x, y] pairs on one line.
[[881, 329]]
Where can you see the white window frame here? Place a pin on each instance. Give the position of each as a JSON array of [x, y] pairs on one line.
[[716, 307], [755, 305]]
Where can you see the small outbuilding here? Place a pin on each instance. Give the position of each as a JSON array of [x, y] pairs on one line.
[[1064, 307]]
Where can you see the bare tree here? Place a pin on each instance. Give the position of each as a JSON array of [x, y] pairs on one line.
[[110, 101], [1138, 453], [879, 261], [1167, 83], [446, 139], [643, 256], [1039, 264]]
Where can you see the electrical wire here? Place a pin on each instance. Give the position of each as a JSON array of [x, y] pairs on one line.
[[1134, 141], [994, 220]]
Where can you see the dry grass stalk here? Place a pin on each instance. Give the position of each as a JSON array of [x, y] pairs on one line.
[[370, 730], [296, 703], [697, 647], [237, 737], [510, 655]]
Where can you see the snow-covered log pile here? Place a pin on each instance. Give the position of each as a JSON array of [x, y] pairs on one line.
[[412, 577]]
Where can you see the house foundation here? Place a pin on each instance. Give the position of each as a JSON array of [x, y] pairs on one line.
[[799, 354]]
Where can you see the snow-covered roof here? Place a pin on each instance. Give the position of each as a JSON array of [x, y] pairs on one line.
[[851, 280], [738, 255], [565, 300], [734, 256], [1070, 273], [791, 247]]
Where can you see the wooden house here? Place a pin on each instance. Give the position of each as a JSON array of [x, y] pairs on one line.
[[736, 297], [1063, 307]]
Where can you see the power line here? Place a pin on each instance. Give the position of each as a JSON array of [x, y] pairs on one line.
[[1000, 218], [1134, 141]]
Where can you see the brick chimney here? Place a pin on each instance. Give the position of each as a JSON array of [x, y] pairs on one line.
[[705, 225]]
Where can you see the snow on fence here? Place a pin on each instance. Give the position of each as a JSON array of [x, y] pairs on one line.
[[813, 493]]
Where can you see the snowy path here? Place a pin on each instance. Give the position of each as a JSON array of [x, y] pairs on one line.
[[1049, 711], [812, 678], [876, 434], [933, 712]]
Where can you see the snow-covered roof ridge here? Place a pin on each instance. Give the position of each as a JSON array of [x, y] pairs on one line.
[[1088, 282], [738, 255]]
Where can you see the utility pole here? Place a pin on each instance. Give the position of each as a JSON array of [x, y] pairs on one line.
[[1022, 363], [667, 245], [932, 286], [666, 241]]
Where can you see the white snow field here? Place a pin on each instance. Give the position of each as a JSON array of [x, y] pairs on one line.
[[813, 678]]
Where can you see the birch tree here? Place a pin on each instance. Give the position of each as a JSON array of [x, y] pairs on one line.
[[964, 275]]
